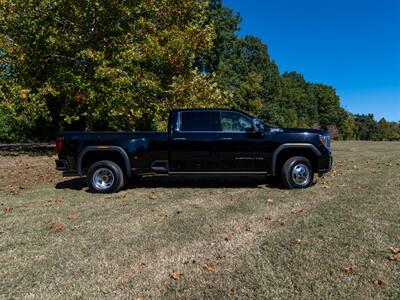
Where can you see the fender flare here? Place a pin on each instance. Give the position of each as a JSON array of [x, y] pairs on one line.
[[291, 145], [117, 149]]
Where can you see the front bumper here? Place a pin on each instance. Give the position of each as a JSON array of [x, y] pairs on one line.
[[325, 165]]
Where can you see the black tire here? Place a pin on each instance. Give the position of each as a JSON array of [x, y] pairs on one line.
[[297, 173], [105, 177]]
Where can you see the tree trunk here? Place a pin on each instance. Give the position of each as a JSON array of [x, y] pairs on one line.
[[89, 121]]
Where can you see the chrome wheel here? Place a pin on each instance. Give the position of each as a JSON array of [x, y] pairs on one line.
[[103, 179], [301, 174]]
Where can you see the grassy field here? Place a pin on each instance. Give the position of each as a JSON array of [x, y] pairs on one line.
[[216, 238]]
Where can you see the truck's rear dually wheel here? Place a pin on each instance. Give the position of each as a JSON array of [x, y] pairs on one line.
[[105, 177]]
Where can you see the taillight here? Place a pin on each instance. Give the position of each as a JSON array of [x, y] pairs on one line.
[[59, 143]]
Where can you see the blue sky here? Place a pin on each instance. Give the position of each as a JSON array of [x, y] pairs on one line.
[[352, 45]]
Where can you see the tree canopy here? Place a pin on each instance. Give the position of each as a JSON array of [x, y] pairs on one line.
[[122, 65]]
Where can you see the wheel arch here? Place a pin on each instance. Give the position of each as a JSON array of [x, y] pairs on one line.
[[113, 153], [285, 151]]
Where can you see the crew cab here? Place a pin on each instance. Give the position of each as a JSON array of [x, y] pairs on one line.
[[197, 142]]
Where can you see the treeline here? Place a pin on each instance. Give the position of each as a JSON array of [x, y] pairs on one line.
[[112, 65]]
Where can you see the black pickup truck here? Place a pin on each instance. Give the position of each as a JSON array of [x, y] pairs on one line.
[[198, 141]]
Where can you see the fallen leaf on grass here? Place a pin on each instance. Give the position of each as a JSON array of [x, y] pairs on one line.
[[152, 196], [394, 250], [228, 237], [297, 211], [220, 255], [262, 186], [122, 194], [394, 257], [59, 200], [71, 217], [57, 227], [208, 267], [298, 241], [142, 264], [175, 275], [7, 209], [377, 282], [348, 270], [76, 227]]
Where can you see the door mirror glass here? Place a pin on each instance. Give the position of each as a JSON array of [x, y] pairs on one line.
[[258, 126]]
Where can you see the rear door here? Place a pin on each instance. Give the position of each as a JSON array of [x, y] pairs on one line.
[[193, 141]]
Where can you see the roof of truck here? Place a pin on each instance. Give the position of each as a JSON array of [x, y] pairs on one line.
[[211, 109]]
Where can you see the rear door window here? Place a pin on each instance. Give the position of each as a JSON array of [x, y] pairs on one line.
[[199, 121]]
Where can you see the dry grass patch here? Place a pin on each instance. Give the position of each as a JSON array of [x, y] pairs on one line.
[[199, 238]]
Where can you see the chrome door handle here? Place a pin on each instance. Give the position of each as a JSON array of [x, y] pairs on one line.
[[180, 139], [226, 139]]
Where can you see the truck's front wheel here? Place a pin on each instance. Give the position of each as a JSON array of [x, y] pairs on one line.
[[105, 177], [297, 173]]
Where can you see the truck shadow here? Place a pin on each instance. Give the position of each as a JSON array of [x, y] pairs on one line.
[[206, 182]]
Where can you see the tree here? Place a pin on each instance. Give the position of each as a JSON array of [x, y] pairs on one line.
[[348, 126], [226, 24], [106, 64], [388, 131], [122, 65], [383, 130], [366, 127]]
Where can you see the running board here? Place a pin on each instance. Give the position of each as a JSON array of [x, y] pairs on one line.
[[217, 173]]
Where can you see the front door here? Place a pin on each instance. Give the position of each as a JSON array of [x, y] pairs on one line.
[[239, 148]]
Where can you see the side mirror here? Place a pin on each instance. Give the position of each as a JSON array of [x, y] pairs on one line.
[[258, 127]]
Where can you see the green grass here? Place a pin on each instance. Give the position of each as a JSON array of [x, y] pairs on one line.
[[127, 245]]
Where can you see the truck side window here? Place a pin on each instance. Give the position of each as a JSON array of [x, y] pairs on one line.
[[199, 121], [235, 122]]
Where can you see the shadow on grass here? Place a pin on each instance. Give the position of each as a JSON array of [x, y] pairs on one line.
[[76, 183], [206, 182]]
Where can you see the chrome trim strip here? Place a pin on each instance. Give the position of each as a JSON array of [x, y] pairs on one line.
[[178, 121], [242, 132]]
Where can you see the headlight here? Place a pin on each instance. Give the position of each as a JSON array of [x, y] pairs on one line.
[[325, 140]]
